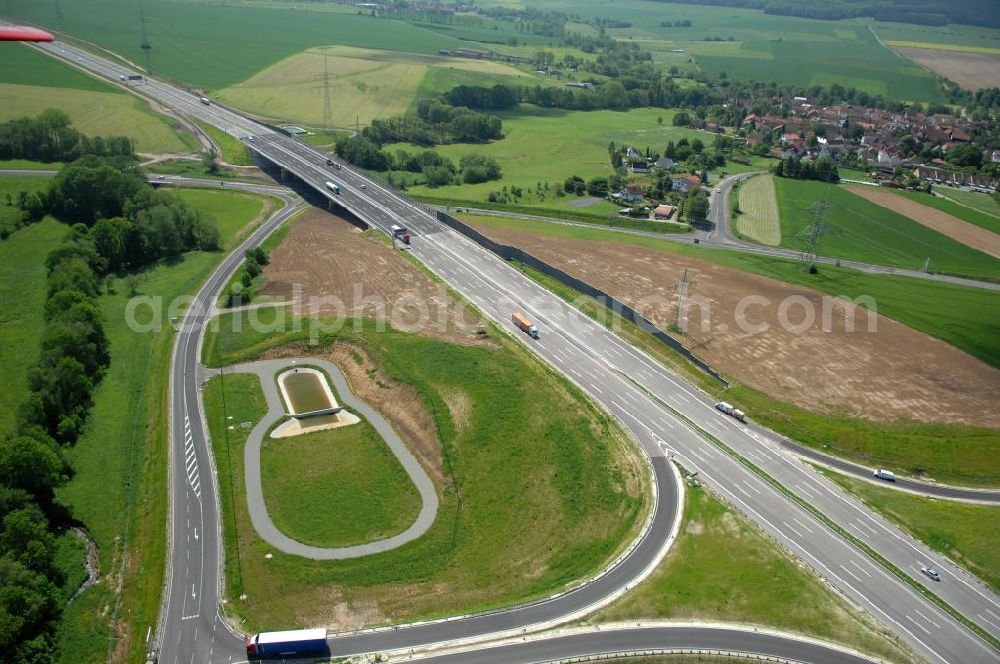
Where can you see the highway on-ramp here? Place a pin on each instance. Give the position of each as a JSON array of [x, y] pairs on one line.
[[666, 416]]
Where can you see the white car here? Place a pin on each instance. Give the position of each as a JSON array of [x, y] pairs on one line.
[[886, 475], [718, 191], [930, 572]]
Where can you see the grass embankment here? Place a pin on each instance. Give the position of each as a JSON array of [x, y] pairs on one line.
[[950, 453], [542, 489], [31, 82], [236, 213], [758, 219], [611, 220], [118, 489], [231, 149], [723, 568], [339, 487], [966, 533], [860, 230], [26, 165]]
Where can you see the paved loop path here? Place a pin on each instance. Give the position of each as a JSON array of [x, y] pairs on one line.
[[266, 371]]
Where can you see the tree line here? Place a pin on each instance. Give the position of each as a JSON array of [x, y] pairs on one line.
[[49, 137], [822, 169], [117, 224]]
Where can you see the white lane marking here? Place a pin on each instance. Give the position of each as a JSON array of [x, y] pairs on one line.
[[918, 612], [807, 528], [786, 524], [751, 487], [856, 577], [921, 627], [863, 570]]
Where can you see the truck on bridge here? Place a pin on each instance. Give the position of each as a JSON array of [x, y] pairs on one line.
[[286, 644], [334, 187], [400, 232]]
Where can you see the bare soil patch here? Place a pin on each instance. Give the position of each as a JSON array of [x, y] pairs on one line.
[[955, 228], [889, 373], [972, 71], [330, 269]]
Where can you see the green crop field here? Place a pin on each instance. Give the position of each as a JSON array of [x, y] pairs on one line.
[[784, 49], [30, 82], [979, 209], [957, 35], [860, 230], [759, 219], [722, 568], [966, 533], [236, 213], [218, 45], [548, 145], [337, 488], [364, 83], [550, 489]]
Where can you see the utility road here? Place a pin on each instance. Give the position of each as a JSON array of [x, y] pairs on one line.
[[667, 417]]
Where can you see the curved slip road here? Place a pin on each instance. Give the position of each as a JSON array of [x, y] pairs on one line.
[[624, 381], [266, 370], [624, 640]]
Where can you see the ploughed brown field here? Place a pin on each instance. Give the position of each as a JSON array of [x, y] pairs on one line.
[[972, 71], [957, 229], [330, 269], [889, 373]]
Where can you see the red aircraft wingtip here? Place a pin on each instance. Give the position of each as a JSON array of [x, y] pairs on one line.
[[15, 33]]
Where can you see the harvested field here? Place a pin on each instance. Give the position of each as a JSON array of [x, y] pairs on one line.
[[972, 71], [892, 372], [330, 269], [760, 220], [955, 228]]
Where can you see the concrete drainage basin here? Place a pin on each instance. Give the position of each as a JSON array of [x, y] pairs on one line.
[[310, 402]]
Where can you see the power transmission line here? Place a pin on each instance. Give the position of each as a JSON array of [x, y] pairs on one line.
[[682, 287], [814, 232]]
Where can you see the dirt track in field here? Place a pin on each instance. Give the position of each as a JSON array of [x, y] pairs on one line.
[[330, 269], [892, 372], [955, 228]]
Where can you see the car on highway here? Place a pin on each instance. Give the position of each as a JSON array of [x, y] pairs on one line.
[[886, 475], [930, 572]]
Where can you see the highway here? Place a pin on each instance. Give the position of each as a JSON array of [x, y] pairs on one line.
[[667, 417]]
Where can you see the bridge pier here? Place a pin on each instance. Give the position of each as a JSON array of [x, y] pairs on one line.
[[284, 174]]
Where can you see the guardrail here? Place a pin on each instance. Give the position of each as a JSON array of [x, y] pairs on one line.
[[511, 253]]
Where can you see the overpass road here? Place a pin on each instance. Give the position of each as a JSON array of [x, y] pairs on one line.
[[668, 418]]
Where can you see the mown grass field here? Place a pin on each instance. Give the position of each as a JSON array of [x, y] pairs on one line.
[[953, 454], [364, 84], [964, 532], [548, 145], [236, 213], [22, 296], [217, 45], [118, 488], [30, 82], [722, 568], [549, 489], [337, 488], [860, 230], [759, 219]]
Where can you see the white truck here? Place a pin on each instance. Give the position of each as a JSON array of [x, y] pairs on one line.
[[729, 409]]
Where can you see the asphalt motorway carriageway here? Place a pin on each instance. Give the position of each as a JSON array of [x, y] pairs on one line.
[[625, 382]]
